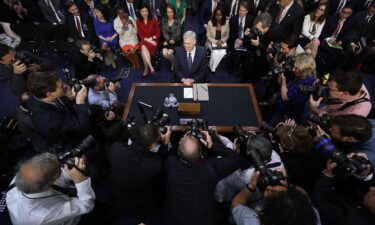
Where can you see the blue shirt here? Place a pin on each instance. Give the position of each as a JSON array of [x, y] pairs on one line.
[[103, 98]]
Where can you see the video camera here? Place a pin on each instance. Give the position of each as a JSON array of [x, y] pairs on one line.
[[275, 48], [285, 67], [267, 176], [160, 119], [23, 58], [67, 156], [346, 167]]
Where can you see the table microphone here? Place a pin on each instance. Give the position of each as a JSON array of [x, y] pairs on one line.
[[145, 105]]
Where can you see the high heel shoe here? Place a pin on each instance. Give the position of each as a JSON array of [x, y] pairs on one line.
[[153, 73]]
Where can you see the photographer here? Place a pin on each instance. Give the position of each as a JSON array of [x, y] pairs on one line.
[[86, 60], [282, 204], [227, 188], [297, 154], [16, 66], [348, 89], [290, 100], [289, 48], [38, 193], [102, 93], [55, 117], [135, 174], [191, 178], [336, 208]]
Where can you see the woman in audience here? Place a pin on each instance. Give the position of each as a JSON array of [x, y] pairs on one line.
[[106, 33], [180, 7], [171, 30], [312, 28], [217, 36], [148, 33], [127, 31], [290, 101]]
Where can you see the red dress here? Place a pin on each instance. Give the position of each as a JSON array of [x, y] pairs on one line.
[[146, 31]]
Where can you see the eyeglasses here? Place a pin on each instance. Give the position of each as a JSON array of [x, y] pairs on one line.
[[321, 9], [346, 12], [290, 133]]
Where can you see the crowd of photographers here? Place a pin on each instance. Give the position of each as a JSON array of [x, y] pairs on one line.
[[312, 163]]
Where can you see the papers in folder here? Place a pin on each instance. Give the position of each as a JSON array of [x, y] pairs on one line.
[[199, 92]]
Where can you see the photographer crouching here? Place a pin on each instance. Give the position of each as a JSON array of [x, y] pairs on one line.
[[348, 93], [86, 59], [15, 68], [39, 194]]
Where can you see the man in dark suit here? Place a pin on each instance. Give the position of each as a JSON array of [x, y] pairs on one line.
[[85, 60], [289, 15], [52, 11], [360, 5], [87, 7], [190, 62], [231, 7], [205, 14], [131, 7], [258, 6], [336, 29], [336, 6], [79, 25], [156, 7]]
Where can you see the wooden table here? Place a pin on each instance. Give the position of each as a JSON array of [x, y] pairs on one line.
[[240, 104]]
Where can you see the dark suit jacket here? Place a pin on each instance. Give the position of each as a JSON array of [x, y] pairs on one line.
[[190, 188], [86, 25], [136, 5], [159, 7], [330, 27], [234, 28], [82, 66], [48, 13], [198, 69], [292, 21], [83, 7], [260, 9], [205, 13], [68, 126], [362, 28], [359, 5], [334, 4]]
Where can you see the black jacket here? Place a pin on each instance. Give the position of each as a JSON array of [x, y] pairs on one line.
[[190, 188], [17, 83], [87, 26], [198, 70], [331, 25], [82, 66], [234, 28], [135, 179], [335, 209], [60, 125]]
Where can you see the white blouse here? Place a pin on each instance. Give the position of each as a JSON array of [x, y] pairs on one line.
[[126, 37], [311, 29]]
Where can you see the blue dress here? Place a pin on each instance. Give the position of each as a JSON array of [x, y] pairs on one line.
[[106, 30]]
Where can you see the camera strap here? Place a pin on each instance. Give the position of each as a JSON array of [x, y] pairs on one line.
[[355, 102]]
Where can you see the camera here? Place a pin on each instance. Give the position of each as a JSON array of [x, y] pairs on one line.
[[128, 123], [242, 135], [114, 79], [323, 121], [77, 84], [267, 176], [67, 156], [268, 128], [254, 33], [275, 48], [346, 167], [317, 91], [23, 58], [284, 67], [97, 50], [194, 128], [160, 119]]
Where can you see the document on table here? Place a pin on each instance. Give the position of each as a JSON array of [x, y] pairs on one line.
[[188, 92]]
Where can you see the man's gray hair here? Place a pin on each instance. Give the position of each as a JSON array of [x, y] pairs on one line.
[[190, 35], [264, 18], [37, 174]]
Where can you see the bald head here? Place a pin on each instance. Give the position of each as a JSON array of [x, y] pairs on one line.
[[189, 149], [38, 173]]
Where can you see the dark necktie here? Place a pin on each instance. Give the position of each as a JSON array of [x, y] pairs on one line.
[[132, 12], [240, 30], [79, 28], [278, 18], [190, 61]]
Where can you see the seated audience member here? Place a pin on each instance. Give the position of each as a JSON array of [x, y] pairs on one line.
[[88, 7], [148, 33], [228, 187], [56, 118], [190, 62], [135, 175], [312, 28], [353, 133], [85, 60], [15, 68], [37, 198], [191, 178], [298, 154], [336, 6], [100, 93], [106, 33], [335, 32], [206, 12], [217, 36], [52, 11], [127, 30], [257, 7], [282, 204], [350, 91], [79, 25], [156, 8], [290, 100], [180, 7], [338, 208], [131, 8], [171, 31], [359, 5], [289, 15], [21, 14]]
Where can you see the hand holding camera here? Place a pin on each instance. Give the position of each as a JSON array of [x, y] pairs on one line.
[[81, 95], [206, 140], [74, 173], [19, 67], [91, 55]]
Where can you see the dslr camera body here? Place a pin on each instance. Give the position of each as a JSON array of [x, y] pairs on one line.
[[160, 119], [284, 67]]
